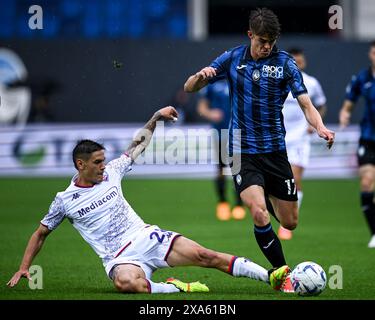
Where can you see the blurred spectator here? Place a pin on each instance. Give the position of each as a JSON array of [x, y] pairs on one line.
[[97, 19]]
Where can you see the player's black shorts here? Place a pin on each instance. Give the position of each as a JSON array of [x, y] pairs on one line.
[[366, 152], [272, 171]]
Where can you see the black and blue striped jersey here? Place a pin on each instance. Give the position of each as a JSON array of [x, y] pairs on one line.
[[364, 85], [258, 90]]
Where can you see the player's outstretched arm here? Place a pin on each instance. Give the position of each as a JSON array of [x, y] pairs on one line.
[[143, 137], [35, 244], [345, 113], [199, 80], [315, 120]]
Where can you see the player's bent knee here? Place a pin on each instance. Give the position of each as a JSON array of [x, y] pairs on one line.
[[124, 283], [290, 224], [260, 215]]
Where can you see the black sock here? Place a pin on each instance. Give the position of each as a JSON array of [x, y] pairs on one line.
[[270, 208], [220, 188], [270, 245], [368, 208]]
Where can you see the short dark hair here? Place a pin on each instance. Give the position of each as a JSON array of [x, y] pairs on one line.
[[295, 51], [264, 22], [372, 43], [84, 149]]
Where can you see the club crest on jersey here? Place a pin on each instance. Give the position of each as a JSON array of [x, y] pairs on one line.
[[238, 179], [276, 72], [256, 75]]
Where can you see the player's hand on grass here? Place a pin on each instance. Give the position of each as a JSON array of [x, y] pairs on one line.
[[17, 276], [168, 113], [328, 135], [206, 73]]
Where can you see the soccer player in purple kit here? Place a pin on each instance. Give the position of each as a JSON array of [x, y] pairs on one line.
[[130, 249]]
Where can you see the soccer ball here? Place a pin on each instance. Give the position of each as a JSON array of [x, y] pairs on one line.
[[308, 279]]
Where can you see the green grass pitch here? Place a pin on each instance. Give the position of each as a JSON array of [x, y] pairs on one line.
[[331, 231]]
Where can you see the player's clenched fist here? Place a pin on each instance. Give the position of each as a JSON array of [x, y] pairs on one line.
[[168, 113], [206, 73], [328, 135]]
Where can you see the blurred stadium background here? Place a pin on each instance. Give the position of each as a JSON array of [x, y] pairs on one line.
[[98, 69]]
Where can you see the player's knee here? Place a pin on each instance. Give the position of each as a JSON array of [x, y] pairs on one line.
[[126, 283], [290, 226], [260, 215], [291, 223], [246, 201]]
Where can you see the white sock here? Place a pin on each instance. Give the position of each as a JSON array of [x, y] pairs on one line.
[[300, 196], [243, 267], [160, 287]]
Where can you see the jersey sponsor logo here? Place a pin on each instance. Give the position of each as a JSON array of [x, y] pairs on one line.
[[256, 75], [275, 72], [242, 66], [108, 196]]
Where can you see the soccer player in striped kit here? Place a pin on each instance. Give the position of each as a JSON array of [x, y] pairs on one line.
[[364, 85], [260, 77]]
